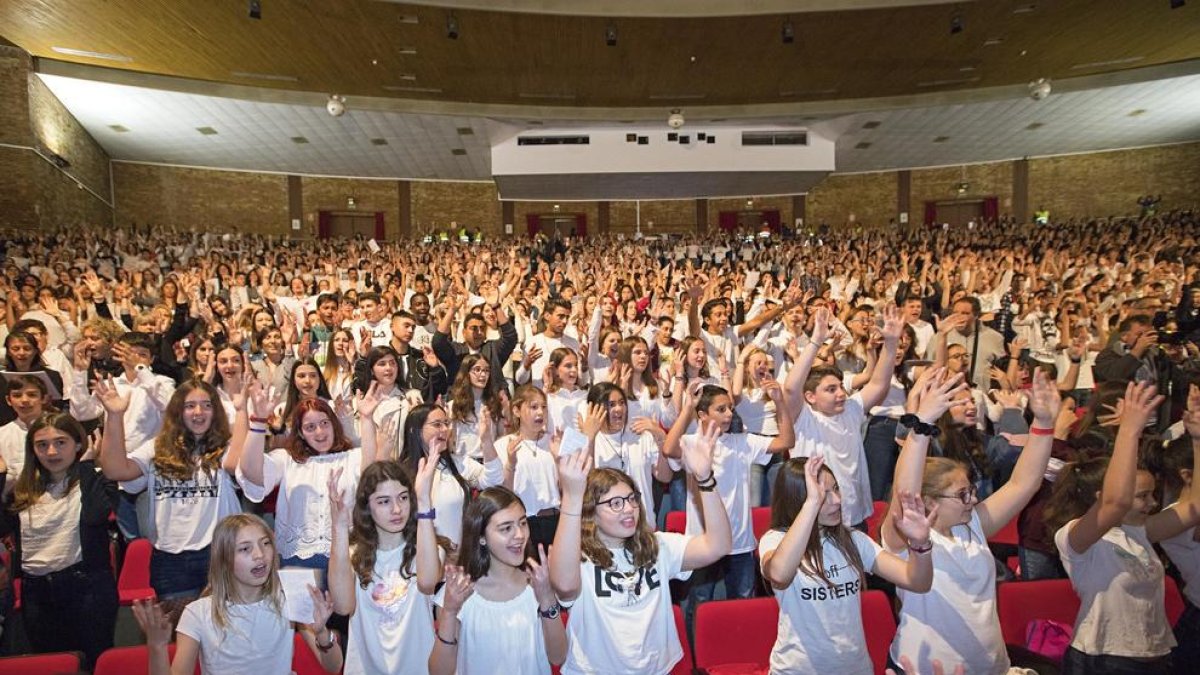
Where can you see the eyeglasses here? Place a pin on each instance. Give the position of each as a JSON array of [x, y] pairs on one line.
[[618, 504], [438, 424], [965, 495], [481, 371]]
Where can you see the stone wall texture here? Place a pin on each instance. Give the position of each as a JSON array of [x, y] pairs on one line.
[[471, 205], [859, 198], [203, 199], [1109, 183]]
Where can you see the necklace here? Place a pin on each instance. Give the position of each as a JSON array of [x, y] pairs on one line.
[[629, 581], [618, 448]]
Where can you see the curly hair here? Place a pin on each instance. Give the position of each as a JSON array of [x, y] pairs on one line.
[[298, 448], [364, 538], [178, 452], [642, 546]]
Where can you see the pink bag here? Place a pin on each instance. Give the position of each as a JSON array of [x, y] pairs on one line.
[[1048, 638]]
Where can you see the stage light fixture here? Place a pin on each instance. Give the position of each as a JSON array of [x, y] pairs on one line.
[[610, 35], [789, 33], [255, 9], [956, 25], [451, 26]]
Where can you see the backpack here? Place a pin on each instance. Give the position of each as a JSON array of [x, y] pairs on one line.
[[1048, 638]]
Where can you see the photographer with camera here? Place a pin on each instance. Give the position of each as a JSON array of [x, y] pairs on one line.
[[1144, 352]]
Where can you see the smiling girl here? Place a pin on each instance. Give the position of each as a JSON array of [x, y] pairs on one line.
[[528, 456]]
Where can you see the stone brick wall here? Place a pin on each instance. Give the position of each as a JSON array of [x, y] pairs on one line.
[[1109, 183], [671, 215], [862, 198], [57, 130], [14, 97], [204, 199], [591, 210], [329, 194], [994, 179], [781, 204], [473, 205]]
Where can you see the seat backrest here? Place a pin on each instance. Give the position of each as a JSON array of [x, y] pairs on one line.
[[687, 663], [130, 661], [879, 626], [875, 520], [1019, 602], [736, 631], [1007, 534], [760, 517], [676, 521], [135, 570], [65, 662], [1174, 601]]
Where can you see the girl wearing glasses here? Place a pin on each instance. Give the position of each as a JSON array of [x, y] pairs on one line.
[[956, 621], [302, 470], [614, 571], [427, 437], [1105, 515], [817, 566], [615, 446], [473, 396]]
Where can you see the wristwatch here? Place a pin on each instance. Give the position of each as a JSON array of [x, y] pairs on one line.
[[431, 514], [551, 612]]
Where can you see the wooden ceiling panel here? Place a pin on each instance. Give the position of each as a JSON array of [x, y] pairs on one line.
[[540, 59]]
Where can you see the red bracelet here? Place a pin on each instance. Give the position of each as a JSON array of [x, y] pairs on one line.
[[1041, 431], [260, 420]]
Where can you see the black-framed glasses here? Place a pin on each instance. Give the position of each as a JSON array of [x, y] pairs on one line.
[[965, 495], [618, 504]]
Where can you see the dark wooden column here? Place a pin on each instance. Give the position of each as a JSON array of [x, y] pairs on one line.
[[295, 192], [904, 198], [603, 217], [405, 226], [799, 210], [701, 216], [508, 213], [1020, 200]]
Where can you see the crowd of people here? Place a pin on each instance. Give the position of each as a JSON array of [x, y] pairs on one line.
[[463, 439]]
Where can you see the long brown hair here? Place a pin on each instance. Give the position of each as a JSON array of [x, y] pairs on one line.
[[625, 356], [462, 394], [220, 569], [34, 478], [1074, 491], [332, 367], [473, 556], [550, 373], [642, 546], [786, 501], [177, 453], [298, 448], [364, 538]]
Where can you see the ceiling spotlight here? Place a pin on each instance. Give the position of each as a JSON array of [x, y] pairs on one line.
[[336, 105], [1176, 4], [956, 25], [1039, 89], [789, 33], [255, 9], [675, 119], [610, 35], [451, 26]]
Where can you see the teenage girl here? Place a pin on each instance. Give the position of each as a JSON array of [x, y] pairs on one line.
[[528, 455], [564, 398]]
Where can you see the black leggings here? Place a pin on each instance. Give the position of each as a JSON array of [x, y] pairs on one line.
[[1076, 662]]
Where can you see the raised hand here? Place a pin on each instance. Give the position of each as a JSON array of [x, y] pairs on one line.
[[591, 423], [153, 621], [95, 441], [573, 472], [423, 481], [1008, 399], [113, 401], [430, 357], [1141, 400], [939, 397], [893, 323], [366, 402], [913, 522], [364, 341], [698, 454], [339, 510], [531, 356], [322, 608], [1044, 399], [458, 588], [812, 479], [772, 389], [538, 573], [820, 328]]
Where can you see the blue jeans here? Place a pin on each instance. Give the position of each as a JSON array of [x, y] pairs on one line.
[[1076, 662], [879, 445], [127, 517], [71, 610], [178, 575], [737, 570], [1037, 565]]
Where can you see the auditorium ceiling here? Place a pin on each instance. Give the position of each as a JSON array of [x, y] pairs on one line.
[[543, 63]]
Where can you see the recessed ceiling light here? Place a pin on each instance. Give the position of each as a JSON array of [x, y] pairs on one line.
[[92, 55], [1102, 64], [458, 152], [967, 69], [408, 51], [1024, 9], [941, 139], [379, 141], [992, 42], [207, 131], [419, 90], [299, 140], [535, 123], [465, 131], [118, 128], [1137, 113], [265, 76], [862, 146], [410, 18], [1034, 125], [873, 124]]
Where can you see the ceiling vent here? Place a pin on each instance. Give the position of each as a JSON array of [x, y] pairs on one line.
[[774, 138], [554, 140]]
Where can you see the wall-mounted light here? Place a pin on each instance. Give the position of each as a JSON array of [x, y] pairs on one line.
[[351, 202]]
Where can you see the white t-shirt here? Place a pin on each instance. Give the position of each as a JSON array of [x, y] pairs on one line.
[[12, 449], [820, 624], [303, 525], [381, 331], [562, 406], [840, 439], [448, 496], [183, 513], [732, 458], [256, 640], [725, 342], [622, 621], [391, 630], [500, 637], [1119, 580], [536, 478], [1184, 552], [757, 411], [634, 454], [956, 621], [50, 533], [547, 344]]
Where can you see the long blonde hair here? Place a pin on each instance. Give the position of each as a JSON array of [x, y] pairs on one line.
[[221, 583]]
